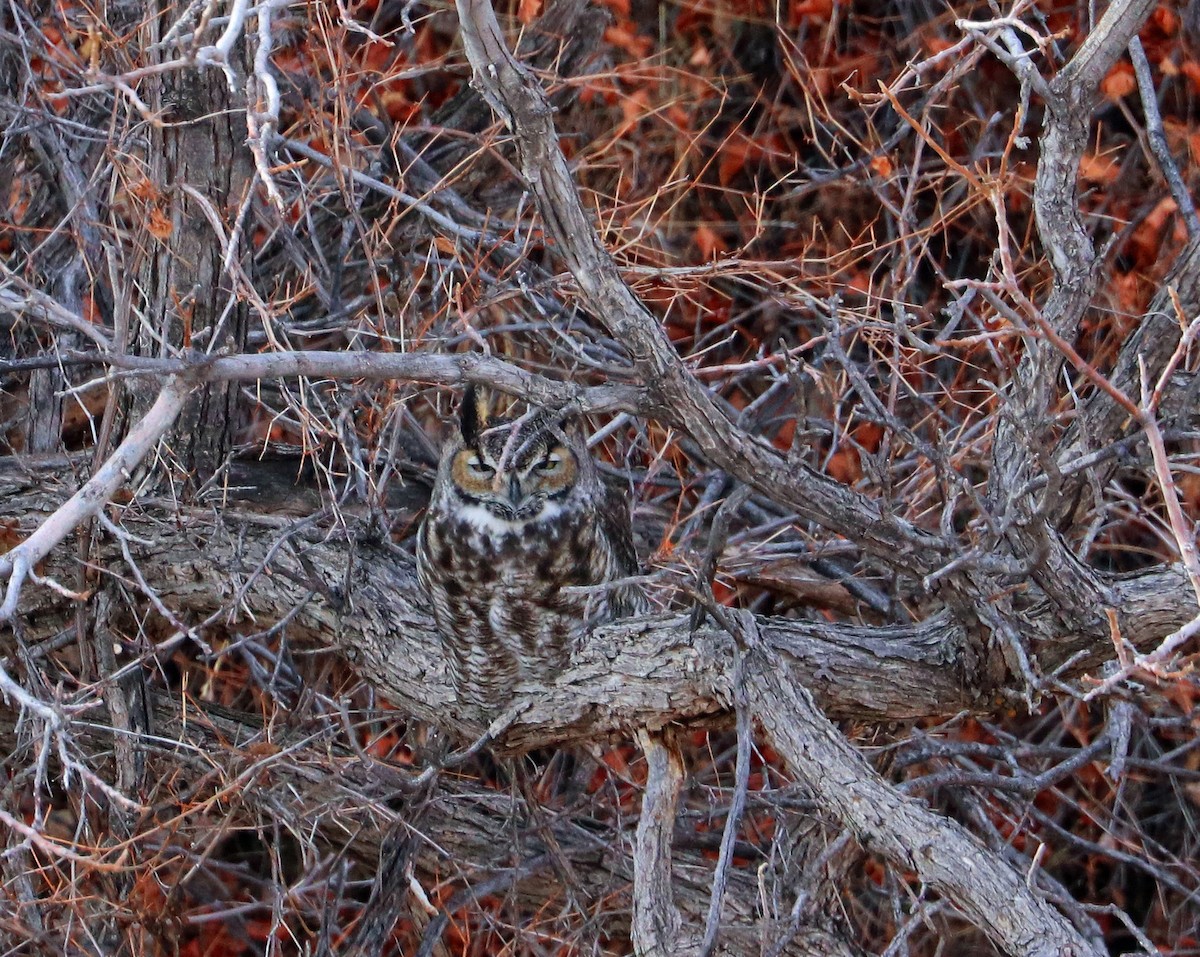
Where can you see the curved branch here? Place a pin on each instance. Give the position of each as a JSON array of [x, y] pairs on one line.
[[95, 493], [1022, 433], [517, 96], [1074, 92], [940, 852]]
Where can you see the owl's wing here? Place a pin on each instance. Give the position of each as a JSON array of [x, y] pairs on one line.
[[618, 528], [615, 519]]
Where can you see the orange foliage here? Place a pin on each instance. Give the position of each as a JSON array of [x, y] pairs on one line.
[[1120, 81]]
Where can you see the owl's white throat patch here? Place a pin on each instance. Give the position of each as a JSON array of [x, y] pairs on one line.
[[482, 519]]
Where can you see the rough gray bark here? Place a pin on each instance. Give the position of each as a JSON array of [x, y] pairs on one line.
[[657, 924], [365, 595], [198, 295]]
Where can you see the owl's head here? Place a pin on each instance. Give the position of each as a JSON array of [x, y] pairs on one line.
[[515, 469]]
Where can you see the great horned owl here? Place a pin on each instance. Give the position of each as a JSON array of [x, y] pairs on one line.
[[519, 515]]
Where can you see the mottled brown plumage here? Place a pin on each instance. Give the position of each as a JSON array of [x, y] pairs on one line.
[[519, 514]]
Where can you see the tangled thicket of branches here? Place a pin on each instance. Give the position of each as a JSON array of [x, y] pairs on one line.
[[884, 312]]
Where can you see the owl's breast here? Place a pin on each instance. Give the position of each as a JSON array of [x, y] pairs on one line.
[[521, 566], [549, 552], [507, 596]]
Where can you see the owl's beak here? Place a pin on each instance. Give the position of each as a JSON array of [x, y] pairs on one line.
[[514, 490]]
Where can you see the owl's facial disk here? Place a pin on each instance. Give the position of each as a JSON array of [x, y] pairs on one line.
[[522, 490]]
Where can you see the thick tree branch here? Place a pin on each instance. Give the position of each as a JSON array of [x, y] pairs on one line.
[[1073, 96], [940, 852], [1023, 430], [657, 926], [456, 370], [368, 604]]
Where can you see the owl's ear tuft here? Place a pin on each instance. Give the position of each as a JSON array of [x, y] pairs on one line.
[[474, 413]]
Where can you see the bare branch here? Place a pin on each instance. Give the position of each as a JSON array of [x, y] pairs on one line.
[[1158, 138], [94, 494], [656, 923], [942, 854]]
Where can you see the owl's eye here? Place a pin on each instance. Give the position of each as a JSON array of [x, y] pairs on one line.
[[480, 467], [549, 464]]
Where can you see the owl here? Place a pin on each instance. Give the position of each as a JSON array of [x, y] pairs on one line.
[[518, 518]]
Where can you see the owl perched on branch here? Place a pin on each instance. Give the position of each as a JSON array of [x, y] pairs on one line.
[[519, 518]]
